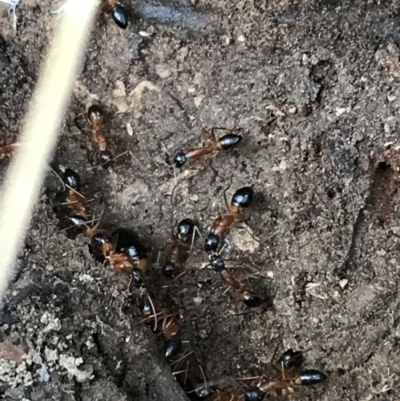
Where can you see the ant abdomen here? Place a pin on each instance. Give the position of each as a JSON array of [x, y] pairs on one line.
[[72, 179], [254, 394], [311, 376], [229, 141], [173, 346], [119, 16], [243, 197]]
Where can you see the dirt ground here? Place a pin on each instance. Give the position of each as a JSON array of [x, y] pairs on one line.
[[314, 85]]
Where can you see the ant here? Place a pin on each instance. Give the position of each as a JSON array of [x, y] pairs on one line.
[[95, 118], [118, 13], [241, 199], [180, 247], [288, 379], [75, 201], [125, 255], [210, 144], [231, 280]]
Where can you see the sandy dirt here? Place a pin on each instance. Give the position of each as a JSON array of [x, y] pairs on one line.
[[314, 87]]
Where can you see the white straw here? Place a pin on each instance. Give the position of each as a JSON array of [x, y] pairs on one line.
[[26, 173]]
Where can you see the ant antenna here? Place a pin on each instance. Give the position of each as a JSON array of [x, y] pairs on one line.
[[58, 176]]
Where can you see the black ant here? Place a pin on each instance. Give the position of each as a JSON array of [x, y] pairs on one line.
[[95, 118], [180, 247], [222, 225], [287, 380], [210, 144], [118, 13], [170, 326]]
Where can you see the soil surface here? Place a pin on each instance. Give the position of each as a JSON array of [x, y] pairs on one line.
[[314, 88]]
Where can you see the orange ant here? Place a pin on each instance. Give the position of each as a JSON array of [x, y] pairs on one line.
[[180, 247], [118, 13], [241, 291], [95, 117], [287, 380], [241, 199], [125, 255], [170, 326], [210, 144]]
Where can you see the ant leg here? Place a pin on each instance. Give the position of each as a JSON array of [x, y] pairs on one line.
[[175, 278], [154, 312], [165, 149], [195, 231], [176, 184], [58, 176], [109, 161], [205, 137], [215, 171], [227, 205]]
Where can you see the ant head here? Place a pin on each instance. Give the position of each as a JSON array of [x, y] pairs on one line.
[[105, 159], [186, 227], [119, 16], [77, 220], [252, 301], [137, 277], [180, 159], [211, 242], [72, 179], [168, 269], [216, 262], [95, 115], [145, 304], [243, 197], [292, 359], [173, 346], [254, 394], [100, 239]]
